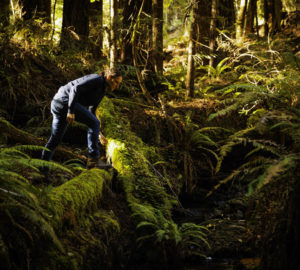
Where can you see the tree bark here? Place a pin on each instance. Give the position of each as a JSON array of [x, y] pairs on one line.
[[190, 78], [212, 31], [276, 16], [203, 19], [266, 18], [96, 31], [144, 29], [75, 26], [113, 32], [135, 61], [250, 16], [240, 21], [157, 35], [130, 11]]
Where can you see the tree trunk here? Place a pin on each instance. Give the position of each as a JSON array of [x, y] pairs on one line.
[[190, 78], [276, 16], [144, 31], [130, 11], [4, 13], [135, 60], [75, 26], [250, 16], [266, 18], [38, 9], [212, 31], [113, 32], [203, 19], [226, 12], [157, 35], [96, 31], [240, 21]]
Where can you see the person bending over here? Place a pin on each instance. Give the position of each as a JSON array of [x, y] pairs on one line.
[[78, 100]]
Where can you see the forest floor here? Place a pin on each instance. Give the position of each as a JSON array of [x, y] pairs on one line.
[[30, 81]]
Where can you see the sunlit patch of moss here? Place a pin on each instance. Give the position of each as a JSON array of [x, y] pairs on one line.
[[77, 197], [129, 155]]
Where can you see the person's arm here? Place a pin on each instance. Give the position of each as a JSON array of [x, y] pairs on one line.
[[82, 86]]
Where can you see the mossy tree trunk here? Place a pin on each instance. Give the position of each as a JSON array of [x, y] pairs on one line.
[[78, 197]]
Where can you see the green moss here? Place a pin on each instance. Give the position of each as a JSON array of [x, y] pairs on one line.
[[77, 197], [129, 155], [109, 225]]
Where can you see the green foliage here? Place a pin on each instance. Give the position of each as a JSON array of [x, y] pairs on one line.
[[270, 107], [214, 73], [24, 219], [77, 197], [149, 202], [194, 140], [157, 228]]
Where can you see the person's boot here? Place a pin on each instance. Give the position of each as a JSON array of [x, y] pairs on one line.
[[97, 163]]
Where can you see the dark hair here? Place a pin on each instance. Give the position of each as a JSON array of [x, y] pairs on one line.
[[113, 72]]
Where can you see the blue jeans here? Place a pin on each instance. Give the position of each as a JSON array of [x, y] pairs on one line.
[[59, 125]]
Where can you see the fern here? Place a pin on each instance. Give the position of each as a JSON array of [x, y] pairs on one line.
[[277, 168], [20, 202], [162, 230], [215, 72]]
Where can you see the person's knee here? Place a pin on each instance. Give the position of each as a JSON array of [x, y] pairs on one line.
[[96, 124]]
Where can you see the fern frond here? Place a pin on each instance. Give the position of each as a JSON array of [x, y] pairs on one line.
[[44, 227], [224, 181], [198, 138], [146, 224], [146, 212]]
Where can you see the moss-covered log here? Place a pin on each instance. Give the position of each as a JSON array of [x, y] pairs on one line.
[[78, 197], [130, 156], [145, 191], [23, 137]]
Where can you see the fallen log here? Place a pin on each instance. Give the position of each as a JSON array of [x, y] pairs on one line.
[[23, 137], [80, 196]]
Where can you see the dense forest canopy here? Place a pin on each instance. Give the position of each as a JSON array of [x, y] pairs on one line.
[[203, 135]]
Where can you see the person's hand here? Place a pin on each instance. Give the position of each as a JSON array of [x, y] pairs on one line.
[[70, 118], [102, 139]]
